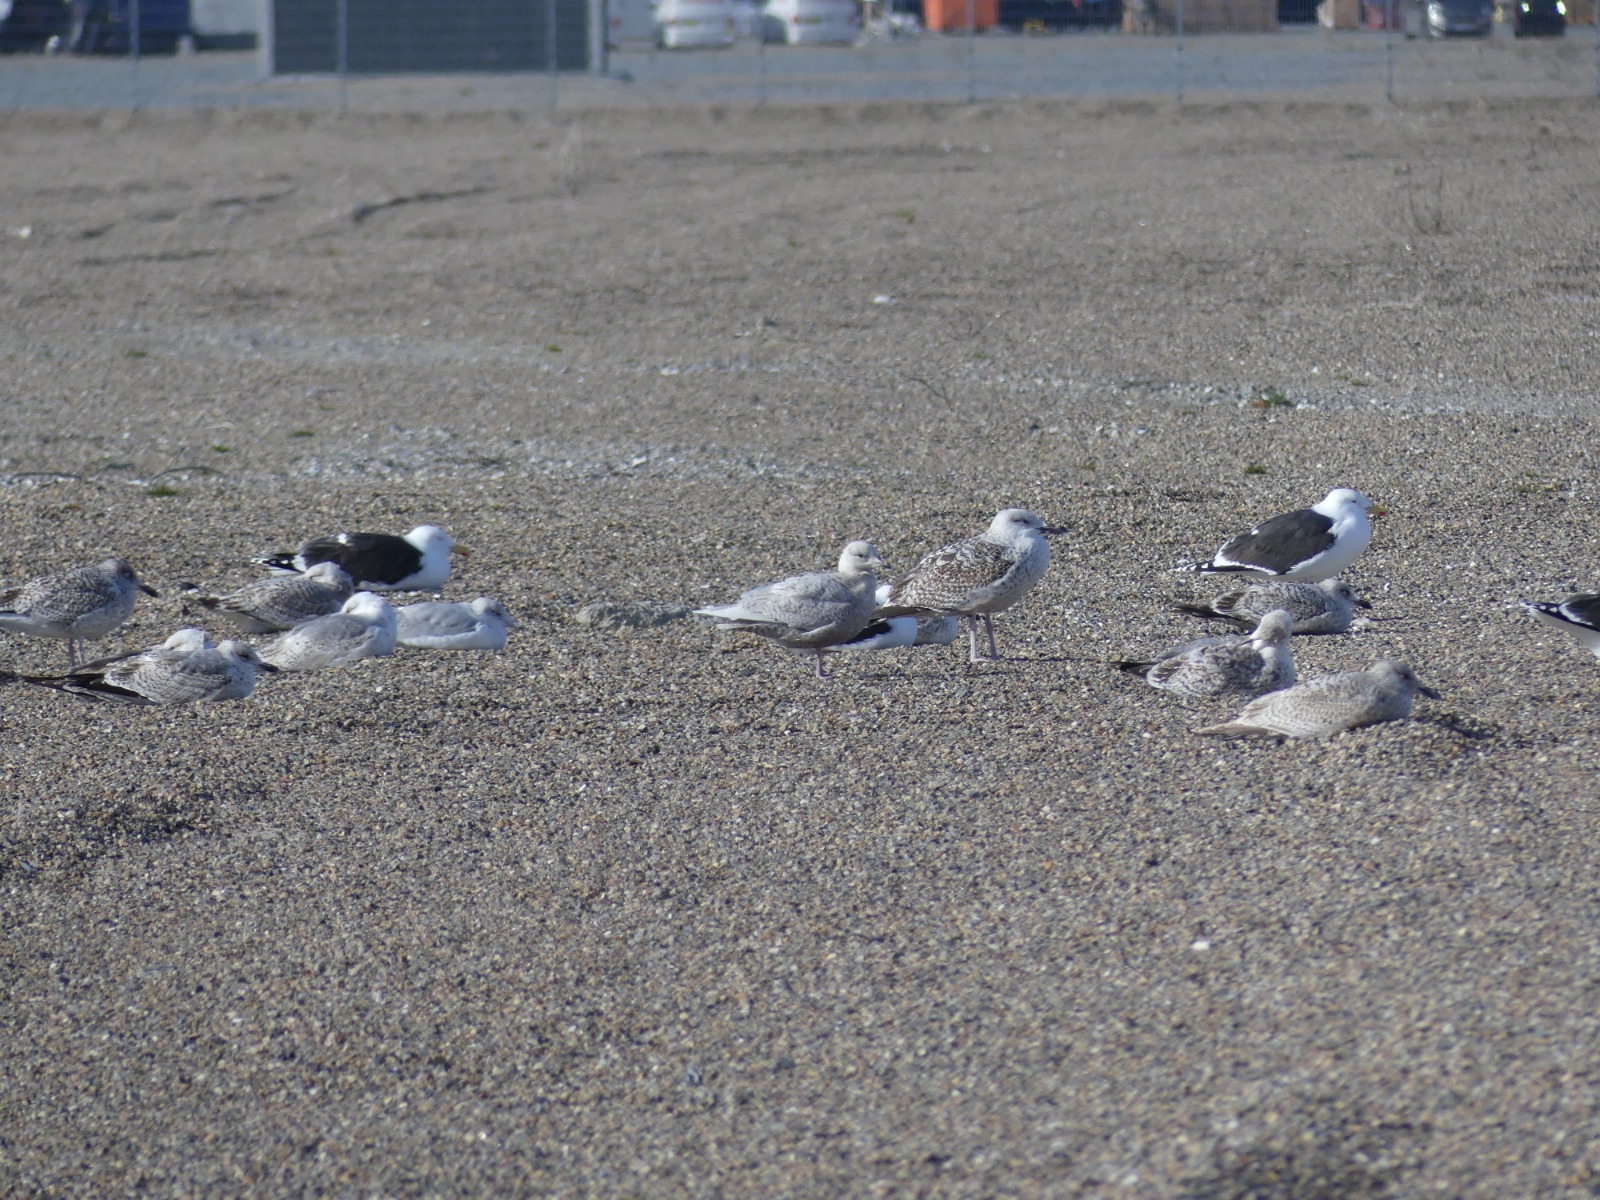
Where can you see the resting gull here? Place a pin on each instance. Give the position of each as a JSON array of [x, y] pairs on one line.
[[184, 669], [977, 577], [1326, 607], [480, 624], [1578, 615], [1259, 662], [1310, 544], [892, 633], [1319, 707], [809, 612], [76, 606], [281, 602], [364, 628], [381, 562]]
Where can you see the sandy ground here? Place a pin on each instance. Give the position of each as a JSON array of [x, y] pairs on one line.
[[653, 911]]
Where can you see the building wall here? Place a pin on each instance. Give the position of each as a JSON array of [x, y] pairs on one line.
[[397, 36]]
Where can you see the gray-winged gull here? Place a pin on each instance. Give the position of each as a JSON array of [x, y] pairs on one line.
[[364, 628], [812, 611], [1254, 663], [976, 577], [480, 624], [1309, 544], [1326, 607], [1319, 707], [76, 606]]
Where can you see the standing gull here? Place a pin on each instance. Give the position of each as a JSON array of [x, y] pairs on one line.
[[1258, 663], [481, 624], [1578, 615], [809, 612], [75, 606], [364, 628], [281, 602], [184, 669], [1319, 707], [1326, 607], [978, 577], [1310, 544], [381, 562]]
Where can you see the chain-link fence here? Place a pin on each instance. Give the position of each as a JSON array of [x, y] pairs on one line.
[[109, 54]]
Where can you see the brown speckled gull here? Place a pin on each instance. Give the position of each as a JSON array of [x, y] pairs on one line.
[[1322, 706], [75, 606]]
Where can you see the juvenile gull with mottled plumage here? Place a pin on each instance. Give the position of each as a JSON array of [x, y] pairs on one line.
[[1323, 706], [1215, 666], [281, 602], [976, 577], [1326, 607], [809, 612], [185, 669], [76, 606]]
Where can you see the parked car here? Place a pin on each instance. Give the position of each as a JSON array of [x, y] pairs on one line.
[[681, 23], [1539, 18], [1459, 18], [810, 22], [30, 24]]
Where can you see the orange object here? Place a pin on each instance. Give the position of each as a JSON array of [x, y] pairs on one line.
[[950, 16]]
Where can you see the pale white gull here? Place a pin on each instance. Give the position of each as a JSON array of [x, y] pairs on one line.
[[1323, 706], [185, 669], [76, 606], [364, 628], [480, 624], [382, 562], [281, 602], [1310, 544], [1252, 664], [1578, 615], [809, 612], [1326, 607], [977, 577]]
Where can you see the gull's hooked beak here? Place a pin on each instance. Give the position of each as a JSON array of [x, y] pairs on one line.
[[268, 668], [1427, 691], [1376, 511], [147, 589], [461, 550], [1049, 530], [1360, 603]]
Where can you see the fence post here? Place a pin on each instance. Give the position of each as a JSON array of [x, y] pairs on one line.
[[1178, 52], [972, 52], [550, 62], [133, 50], [341, 50], [1388, 50]]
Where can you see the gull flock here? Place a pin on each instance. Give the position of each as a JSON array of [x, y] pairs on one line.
[[323, 607]]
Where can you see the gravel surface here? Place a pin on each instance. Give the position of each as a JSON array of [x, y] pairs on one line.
[[635, 908]]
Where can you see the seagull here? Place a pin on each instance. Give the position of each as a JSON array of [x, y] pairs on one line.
[[281, 602], [1258, 663], [1326, 607], [1310, 544], [481, 624], [1319, 707], [978, 577], [1578, 615], [76, 606], [380, 562], [184, 669], [364, 628], [892, 633], [809, 612]]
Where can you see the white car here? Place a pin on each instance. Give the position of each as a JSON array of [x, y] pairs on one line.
[[810, 22], [694, 23]]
